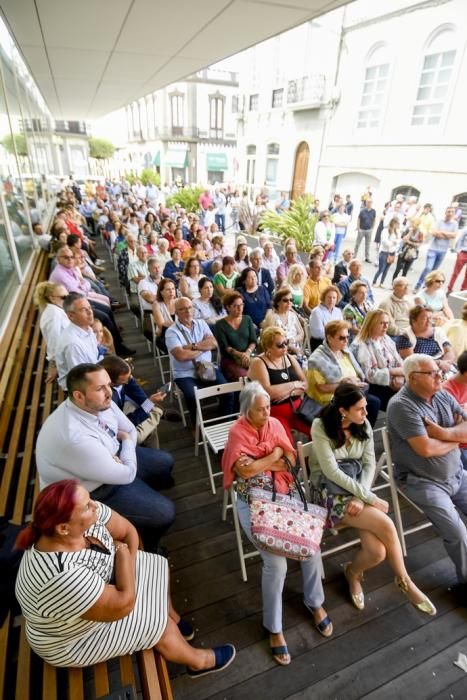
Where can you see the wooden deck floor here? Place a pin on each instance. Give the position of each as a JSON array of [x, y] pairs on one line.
[[387, 651]]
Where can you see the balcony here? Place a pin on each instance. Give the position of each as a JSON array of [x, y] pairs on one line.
[[307, 92], [71, 127], [218, 77]]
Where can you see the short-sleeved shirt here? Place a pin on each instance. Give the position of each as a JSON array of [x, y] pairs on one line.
[[425, 346], [405, 414], [366, 219], [442, 244], [178, 335]]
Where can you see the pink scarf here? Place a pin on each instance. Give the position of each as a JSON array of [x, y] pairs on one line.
[[245, 439]]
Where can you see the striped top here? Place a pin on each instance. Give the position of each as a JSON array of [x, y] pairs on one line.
[[55, 588]]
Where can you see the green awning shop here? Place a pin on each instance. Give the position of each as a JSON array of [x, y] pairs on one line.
[[217, 161], [176, 159], [157, 160]]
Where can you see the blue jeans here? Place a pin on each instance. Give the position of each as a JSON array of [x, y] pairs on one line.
[[338, 238], [273, 578], [187, 386], [383, 267], [150, 512], [220, 221], [434, 258]]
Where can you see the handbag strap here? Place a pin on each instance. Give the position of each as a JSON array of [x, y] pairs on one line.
[[293, 470]]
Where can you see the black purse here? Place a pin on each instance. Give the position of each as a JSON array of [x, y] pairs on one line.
[[350, 467], [308, 408]]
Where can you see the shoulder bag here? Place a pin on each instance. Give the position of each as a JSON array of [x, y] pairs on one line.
[[350, 467], [204, 371], [286, 524], [308, 408]]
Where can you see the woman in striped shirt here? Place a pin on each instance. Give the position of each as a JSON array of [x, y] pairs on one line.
[[88, 594]]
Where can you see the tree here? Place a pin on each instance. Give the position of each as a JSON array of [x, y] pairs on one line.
[[18, 140], [101, 149], [188, 198], [149, 176], [297, 222]]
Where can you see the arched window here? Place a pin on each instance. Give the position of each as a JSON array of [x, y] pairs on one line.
[[216, 115], [177, 112], [406, 190], [375, 82], [435, 77], [272, 164]]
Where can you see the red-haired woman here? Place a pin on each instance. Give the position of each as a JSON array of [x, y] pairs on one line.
[[88, 594]]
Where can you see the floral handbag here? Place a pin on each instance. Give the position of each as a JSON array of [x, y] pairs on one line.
[[285, 524]]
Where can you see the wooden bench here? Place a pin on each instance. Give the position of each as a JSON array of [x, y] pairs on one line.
[[25, 402]]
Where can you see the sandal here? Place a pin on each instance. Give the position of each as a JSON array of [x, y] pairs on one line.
[[224, 656], [277, 652], [325, 627], [425, 605], [186, 630]]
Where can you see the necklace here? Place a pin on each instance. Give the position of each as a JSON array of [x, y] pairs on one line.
[[284, 374]]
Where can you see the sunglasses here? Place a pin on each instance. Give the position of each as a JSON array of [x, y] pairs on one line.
[[343, 337], [288, 300], [282, 345]]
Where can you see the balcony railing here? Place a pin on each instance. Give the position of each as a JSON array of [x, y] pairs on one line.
[[307, 92], [210, 75], [71, 127]]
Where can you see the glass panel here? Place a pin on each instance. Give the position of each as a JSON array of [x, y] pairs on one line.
[[430, 61], [250, 150], [444, 76], [366, 100], [271, 170], [17, 180], [431, 121], [384, 71], [426, 78], [273, 149], [370, 73], [423, 93], [440, 91], [447, 58]]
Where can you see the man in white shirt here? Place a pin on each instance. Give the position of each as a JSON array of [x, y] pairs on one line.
[[139, 269], [147, 287], [89, 438], [77, 343]]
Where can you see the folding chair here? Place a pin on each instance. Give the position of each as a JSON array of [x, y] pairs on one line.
[[212, 433], [387, 473], [232, 495]]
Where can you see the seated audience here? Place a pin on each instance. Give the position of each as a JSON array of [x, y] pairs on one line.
[[314, 286], [356, 310], [173, 269], [89, 438], [355, 274], [342, 433], [241, 257], [433, 297], [397, 306], [255, 448], [236, 336], [227, 277], [377, 355], [283, 315], [282, 377], [208, 307], [328, 310], [255, 297], [163, 311], [49, 299], [105, 343], [188, 284], [138, 269], [423, 338], [332, 364], [290, 258], [456, 332], [189, 341], [77, 343], [426, 425], [88, 594], [295, 281], [147, 287], [270, 258], [262, 273]]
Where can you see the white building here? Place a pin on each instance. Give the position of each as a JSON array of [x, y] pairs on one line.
[[360, 97], [186, 130]]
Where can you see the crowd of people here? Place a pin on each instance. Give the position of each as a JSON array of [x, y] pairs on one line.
[[296, 329]]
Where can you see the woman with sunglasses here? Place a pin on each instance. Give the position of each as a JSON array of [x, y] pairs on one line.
[[433, 297], [332, 364], [281, 376], [283, 315], [49, 298]]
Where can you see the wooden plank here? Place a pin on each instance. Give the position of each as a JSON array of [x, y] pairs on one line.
[[163, 676], [127, 676], [148, 672], [75, 684], [49, 682], [4, 633], [23, 672], [101, 680]]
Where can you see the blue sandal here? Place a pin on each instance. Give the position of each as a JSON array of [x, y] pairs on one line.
[[186, 630], [325, 627], [281, 651], [224, 656]]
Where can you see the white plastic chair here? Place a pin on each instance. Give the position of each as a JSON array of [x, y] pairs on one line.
[[212, 433]]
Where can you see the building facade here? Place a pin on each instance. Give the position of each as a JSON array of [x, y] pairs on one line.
[[376, 101], [187, 130]]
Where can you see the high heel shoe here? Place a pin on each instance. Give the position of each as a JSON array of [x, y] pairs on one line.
[[425, 606], [358, 599]]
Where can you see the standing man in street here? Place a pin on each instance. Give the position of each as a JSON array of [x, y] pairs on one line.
[[219, 202], [365, 224], [444, 231], [461, 262]]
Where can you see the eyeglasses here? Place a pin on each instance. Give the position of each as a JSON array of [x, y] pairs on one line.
[[288, 300], [282, 345], [343, 337], [432, 372], [66, 257], [439, 281], [186, 308], [59, 296], [237, 306]]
